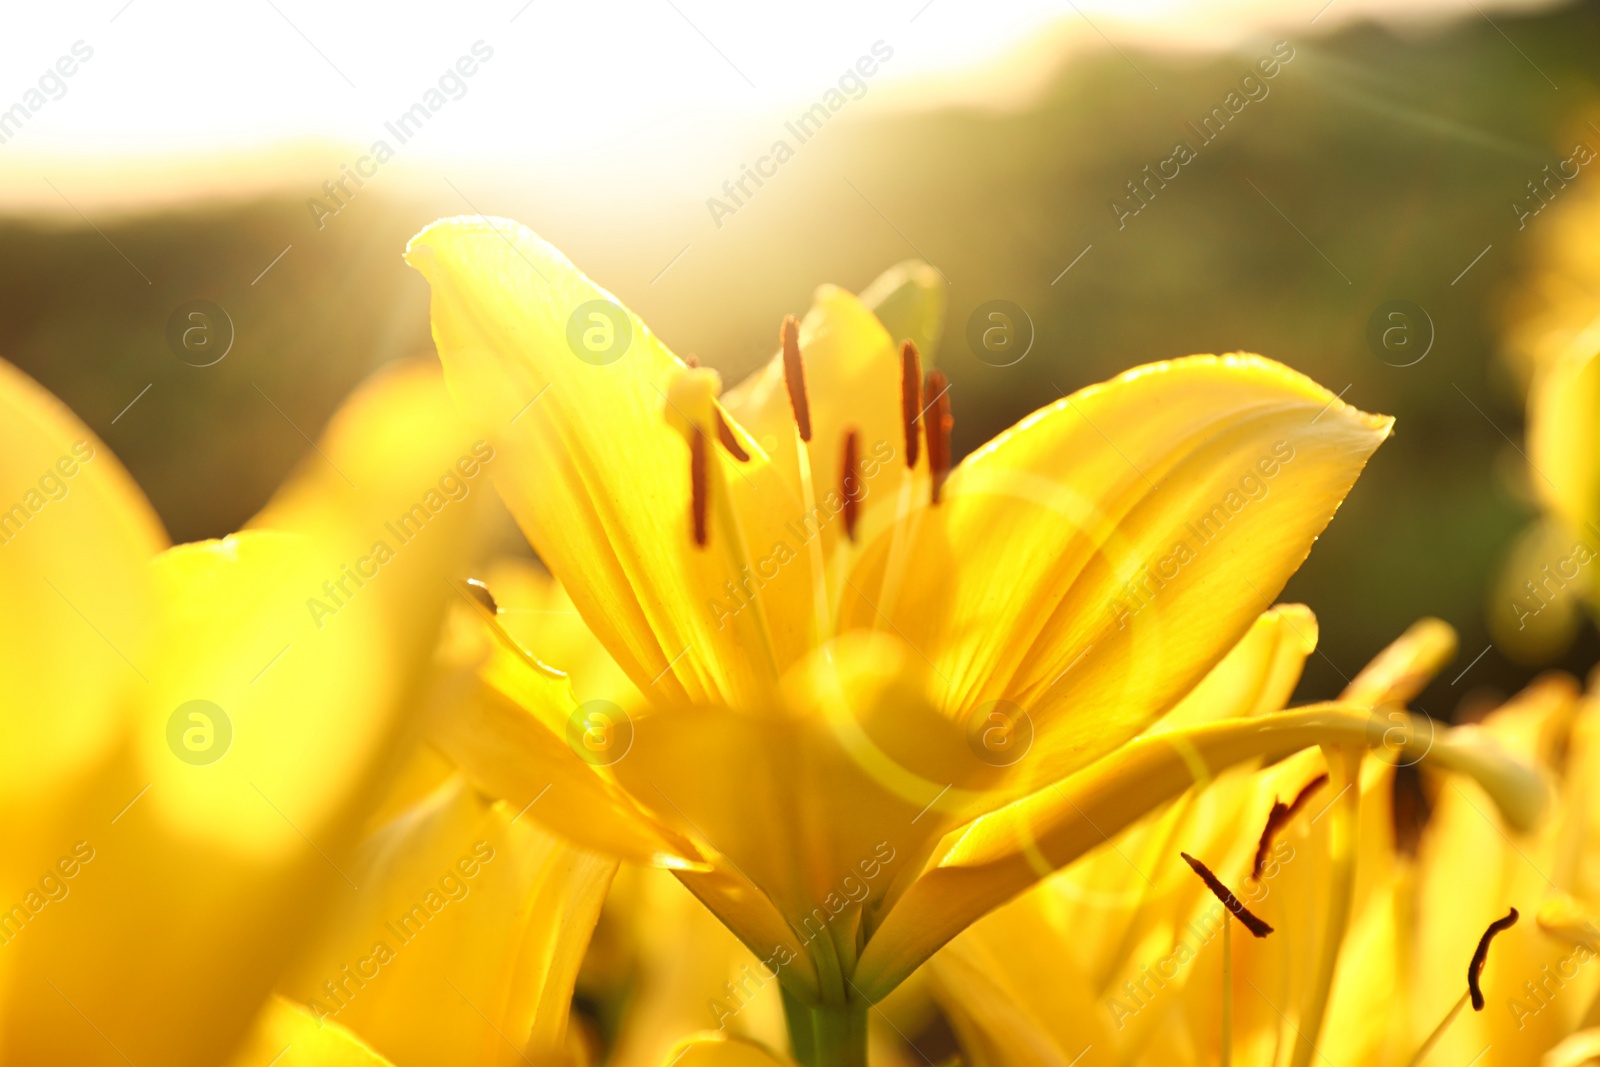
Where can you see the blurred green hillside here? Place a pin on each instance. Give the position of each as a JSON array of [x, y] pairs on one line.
[[1377, 168]]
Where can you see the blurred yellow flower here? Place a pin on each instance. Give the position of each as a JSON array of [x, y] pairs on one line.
[[1554, 339], [837, 650], [189, 751], [1130, 964]]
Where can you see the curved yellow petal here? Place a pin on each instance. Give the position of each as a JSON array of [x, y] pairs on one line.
[[840, 792], [572, 391], [463, 943], [1070, 962], [1007, 852], [1575, 1050], [274, 711], [1091, 564], [1013, 999], [1257, 676], [513, 736], [1406, 666], [539, 615], [1127, 958], [674, 962], [76, 538], [288, 1035], [714, 1050], [908, 299]]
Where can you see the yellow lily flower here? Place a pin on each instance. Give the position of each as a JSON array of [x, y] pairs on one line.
[[190, 745], [1134, 967], [840, 650]]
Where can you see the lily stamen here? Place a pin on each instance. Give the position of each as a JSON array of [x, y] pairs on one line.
[[1279, 817], [850, 484], [911, 399], [1474, 990], [794, 376], [699, 498], [1252, 922], [1481, 956], [937, 426]]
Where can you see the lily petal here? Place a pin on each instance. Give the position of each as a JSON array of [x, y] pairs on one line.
[[1092, 563], [77, 536], [287, 1034], [510, 734], [908, 299], [595, 475], [1257, 676], [1406, 666], [464, 941], [842, 790], [714, 1050], [1000, 856]]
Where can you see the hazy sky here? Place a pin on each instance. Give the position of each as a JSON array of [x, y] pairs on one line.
[[204, 80]]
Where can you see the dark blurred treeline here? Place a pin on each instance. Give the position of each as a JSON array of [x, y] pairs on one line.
[[1376, 167]]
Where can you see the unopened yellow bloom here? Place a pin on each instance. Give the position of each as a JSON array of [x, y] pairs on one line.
[[836, 656], [189, 748]]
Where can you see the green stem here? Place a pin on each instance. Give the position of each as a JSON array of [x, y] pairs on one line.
[[826, 1035]]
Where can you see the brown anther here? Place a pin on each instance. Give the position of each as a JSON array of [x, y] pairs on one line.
[[691, 361], [698, 497], [1279, 817], [937, 425], [911, 400], [1481, 956], [850, 484], [481, 596], [729, 441], [1252, 922], [794, 376]]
